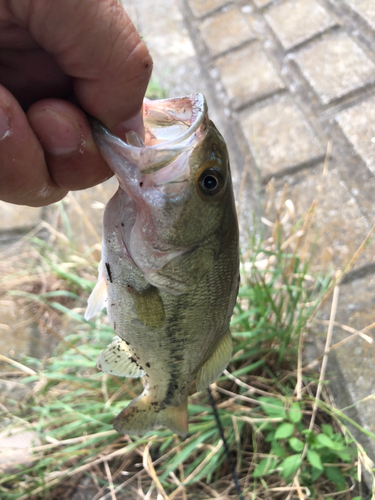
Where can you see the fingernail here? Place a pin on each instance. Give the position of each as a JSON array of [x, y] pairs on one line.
[[59, 135], [135, 123], [4, 124]]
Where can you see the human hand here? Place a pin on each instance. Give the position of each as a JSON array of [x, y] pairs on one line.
[[52, 50]]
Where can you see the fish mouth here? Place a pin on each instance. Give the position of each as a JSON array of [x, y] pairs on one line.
[[176, 118], [172, 126]]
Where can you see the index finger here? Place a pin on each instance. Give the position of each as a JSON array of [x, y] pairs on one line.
[[96, 43]]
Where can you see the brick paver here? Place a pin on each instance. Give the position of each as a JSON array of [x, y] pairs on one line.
[[358, 125], [201, 8], [365, 8], [280, 138], [335, 66], [248, 75], [225, 31], [336, 204], [18, 441], [297, 21], [262, 3]]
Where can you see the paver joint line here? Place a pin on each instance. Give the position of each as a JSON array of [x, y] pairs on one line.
[[317, 54]]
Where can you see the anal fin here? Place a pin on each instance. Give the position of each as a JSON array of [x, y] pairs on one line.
[[117, 360], [141, 415], [216, 364]]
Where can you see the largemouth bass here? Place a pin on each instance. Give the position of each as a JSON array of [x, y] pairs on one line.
[[169, 272]]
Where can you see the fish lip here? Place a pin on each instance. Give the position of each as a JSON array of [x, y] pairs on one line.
[[199, 112], [152, 158]]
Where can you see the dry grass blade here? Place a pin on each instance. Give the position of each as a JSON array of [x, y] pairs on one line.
[[360, 333], [249, 388], [206, 460], [298, 389], [321, 378], [16, 364], [245, 172], [149, 468], [110, 481], [289, 489], [56, 443], [325, 356]]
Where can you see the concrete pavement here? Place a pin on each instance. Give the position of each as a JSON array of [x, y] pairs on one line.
[[297, 79]]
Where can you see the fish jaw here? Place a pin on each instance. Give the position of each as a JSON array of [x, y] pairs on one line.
[[170, 127], [170, 122], [155, 178]]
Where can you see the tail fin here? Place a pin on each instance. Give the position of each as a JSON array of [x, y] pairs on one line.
[[142, 414]]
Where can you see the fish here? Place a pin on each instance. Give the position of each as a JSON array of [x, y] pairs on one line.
[[169, 272]]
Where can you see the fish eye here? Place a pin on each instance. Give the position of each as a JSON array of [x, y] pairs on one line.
[[210, 182]]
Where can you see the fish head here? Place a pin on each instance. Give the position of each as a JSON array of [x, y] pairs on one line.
[[175, 186]]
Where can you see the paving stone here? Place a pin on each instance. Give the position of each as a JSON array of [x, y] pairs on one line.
[[279, 137], [18, 443], [339, 226], [297, 21], [358, 125], [356, 308], [335, 66], [248, 75], [15, 217], [225, 31], [262, 3], [365, 9], [202, 7]]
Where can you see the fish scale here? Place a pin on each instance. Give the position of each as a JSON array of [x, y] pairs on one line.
[[169, 274]]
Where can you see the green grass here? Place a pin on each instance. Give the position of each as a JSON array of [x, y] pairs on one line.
[[282, 437], [155, 90]]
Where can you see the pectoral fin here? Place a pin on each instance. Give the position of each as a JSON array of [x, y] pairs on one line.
[[216, 364], [98, 297], [117, 360], [149, 306]]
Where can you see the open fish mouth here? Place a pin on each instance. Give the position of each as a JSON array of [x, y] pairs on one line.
[[172, 121], [172, 126]]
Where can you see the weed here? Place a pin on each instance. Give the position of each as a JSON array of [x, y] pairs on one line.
[[285, 438], [155, 90]]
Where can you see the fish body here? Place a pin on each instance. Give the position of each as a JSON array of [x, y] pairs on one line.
[[169, 273]]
